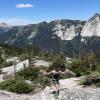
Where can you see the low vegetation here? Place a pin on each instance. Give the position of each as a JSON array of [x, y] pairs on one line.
[[91, 79], [85, 65], [6, 64], [29, 73], [79, 68], [0, 71], [16, 85], [34, 74]]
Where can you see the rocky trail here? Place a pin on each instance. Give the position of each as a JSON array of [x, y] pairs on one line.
[[70, 90]]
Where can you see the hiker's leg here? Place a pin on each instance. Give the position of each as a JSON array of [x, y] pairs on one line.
[[54, 86], [57, 87]]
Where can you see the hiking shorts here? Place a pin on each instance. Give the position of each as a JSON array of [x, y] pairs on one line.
[[55, 81]]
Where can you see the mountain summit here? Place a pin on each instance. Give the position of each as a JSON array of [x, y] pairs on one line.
[[96, 15], [4, 27], [92, 26]]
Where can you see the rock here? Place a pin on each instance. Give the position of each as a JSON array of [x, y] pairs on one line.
[[39, 63], [70, 90]]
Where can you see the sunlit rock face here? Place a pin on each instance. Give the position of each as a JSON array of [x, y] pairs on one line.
[[67, 29], [92, 27]]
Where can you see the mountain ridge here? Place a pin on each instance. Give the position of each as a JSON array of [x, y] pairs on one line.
[[58, 36]]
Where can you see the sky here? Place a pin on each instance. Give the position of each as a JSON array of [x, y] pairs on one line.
[[22, 12]]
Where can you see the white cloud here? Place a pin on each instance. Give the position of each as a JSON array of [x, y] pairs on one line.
[[24, 6], [16, 21]]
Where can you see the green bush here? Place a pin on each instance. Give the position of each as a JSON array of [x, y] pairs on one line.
[[0, 71], [18, 86], [92, 79], [44, 81], [79, 68], [6, 64], [1, 59], [97, 84], [3, 64], [10, 63], [29, 73], [58, 63], [98, 68], [34, 75]]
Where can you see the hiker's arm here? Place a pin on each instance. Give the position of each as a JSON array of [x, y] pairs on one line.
[[64, 72], [61, 72], [70, 72], [47, 73]]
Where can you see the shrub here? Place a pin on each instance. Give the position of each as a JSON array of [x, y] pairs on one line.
[[18, 86], [10, 63], [0, 71], [79, 68], [98, 68], [97, 84], [1, 59], [92, 79], [58, 63], [29, 73], [44, 81], [3, 64], [34, 75], [6, 64]]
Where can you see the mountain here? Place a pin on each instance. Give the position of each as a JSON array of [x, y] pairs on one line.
[[92, 26], [4, 27], [60, 36]]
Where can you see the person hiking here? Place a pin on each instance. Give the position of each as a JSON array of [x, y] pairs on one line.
[[56, 76]]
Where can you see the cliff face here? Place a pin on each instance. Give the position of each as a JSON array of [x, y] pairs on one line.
[[92, 27], [65, 36]]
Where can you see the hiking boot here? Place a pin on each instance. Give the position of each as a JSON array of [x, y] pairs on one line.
[[54, 92], [58, 92]]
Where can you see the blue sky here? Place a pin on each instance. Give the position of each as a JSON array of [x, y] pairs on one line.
[[19, 12]]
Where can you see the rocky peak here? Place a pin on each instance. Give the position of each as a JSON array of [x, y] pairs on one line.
[[92, 26], [96, 16], [5, 25]]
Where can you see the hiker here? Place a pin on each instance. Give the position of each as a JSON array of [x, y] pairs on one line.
[[55, 77]]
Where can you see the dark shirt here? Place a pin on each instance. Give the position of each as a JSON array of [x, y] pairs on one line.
[[55, 76]]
